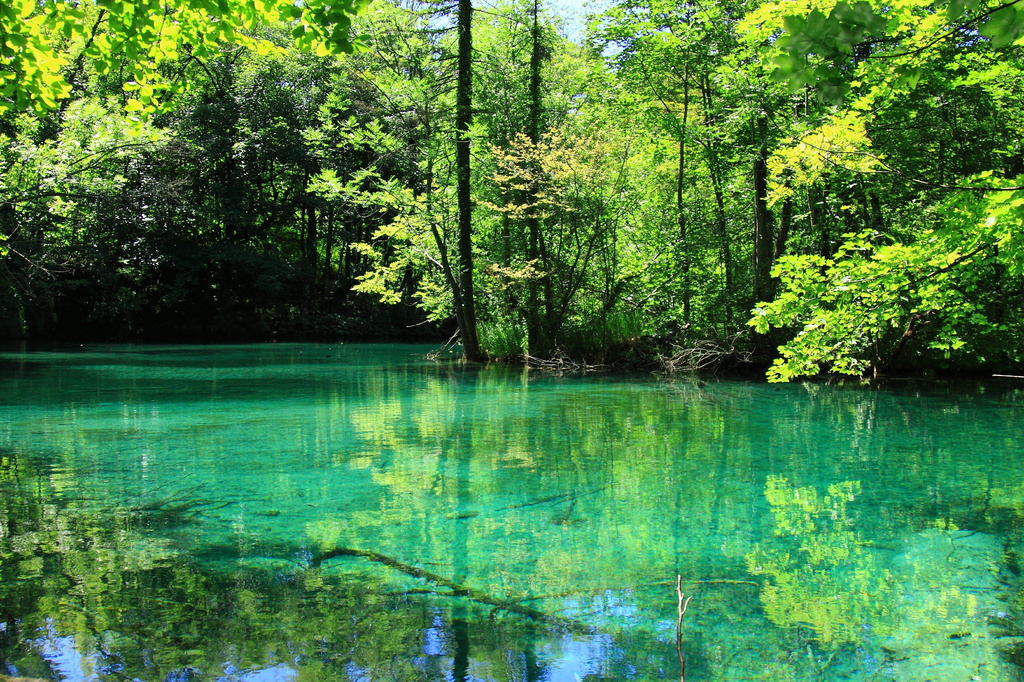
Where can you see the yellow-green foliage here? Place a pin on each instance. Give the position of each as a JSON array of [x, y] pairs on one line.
[[856, 311], [43, 39], [841, 142], [822, 577]]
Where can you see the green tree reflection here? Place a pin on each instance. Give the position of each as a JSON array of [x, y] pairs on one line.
[[100, 583], [822, 576]]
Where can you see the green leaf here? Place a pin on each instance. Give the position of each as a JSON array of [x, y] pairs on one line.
[[848, 36], [816, 26], [908, 76], [955, 9], [1004, 26], [793, 24]]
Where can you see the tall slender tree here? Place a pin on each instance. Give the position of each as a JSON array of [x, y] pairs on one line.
[[465, 302]]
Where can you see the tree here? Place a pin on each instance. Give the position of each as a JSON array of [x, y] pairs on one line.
[[919, 113], [514, 50], [47, 44], [428, 237], [205, 222], [465, 304], [685, 67]]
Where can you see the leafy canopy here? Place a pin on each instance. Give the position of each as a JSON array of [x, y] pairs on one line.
[[44, 42], [839, 48], [857, 311]]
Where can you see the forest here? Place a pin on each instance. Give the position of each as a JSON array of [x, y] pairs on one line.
[[799, 185]]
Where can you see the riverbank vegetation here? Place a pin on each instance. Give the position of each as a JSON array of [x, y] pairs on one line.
[[834, 187]]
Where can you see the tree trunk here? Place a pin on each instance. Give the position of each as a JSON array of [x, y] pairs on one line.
[[785, 224], [721, 221], [723, 237], [536, 341], [535, 57], [463, 121], [326, 276], [312, 237], [680, 205], [763, 237]]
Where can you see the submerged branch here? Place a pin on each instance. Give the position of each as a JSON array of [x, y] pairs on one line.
[[457, 589], [660, 583], [555, 500], [180, 497], [709, 581], [565, 518], [531, 503], [684, 603], [177, 508]]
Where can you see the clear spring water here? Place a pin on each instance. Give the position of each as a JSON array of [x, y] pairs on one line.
[[166, 514]]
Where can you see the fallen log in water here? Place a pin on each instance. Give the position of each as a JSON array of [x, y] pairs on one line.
[[457, 590]]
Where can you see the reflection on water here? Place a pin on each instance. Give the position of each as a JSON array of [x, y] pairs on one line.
[[312, 512], [823, 576]]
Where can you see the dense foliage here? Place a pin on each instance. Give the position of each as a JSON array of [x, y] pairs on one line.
[[848, 172]]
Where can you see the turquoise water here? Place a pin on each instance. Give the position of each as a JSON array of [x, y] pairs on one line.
[[358, 512]]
